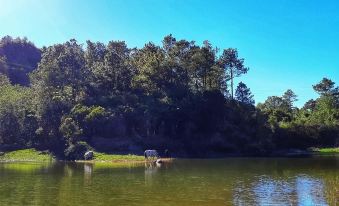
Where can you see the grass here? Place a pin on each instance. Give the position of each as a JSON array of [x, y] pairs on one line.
[[98, 156], [26, 155], [32, 155], [327, 150]]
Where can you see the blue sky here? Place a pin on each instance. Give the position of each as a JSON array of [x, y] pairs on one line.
[[288, 44]]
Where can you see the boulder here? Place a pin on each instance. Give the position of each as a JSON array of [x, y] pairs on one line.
[[89, 155]]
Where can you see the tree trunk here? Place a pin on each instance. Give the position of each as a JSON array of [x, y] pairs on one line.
[[232, 83]]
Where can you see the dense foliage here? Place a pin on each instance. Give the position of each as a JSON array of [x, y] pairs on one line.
[[178, 96], [18, 57]]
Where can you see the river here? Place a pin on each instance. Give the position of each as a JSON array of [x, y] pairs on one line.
[[229, 181]]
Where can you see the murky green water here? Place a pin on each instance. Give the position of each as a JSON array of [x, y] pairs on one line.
[[231, 181]]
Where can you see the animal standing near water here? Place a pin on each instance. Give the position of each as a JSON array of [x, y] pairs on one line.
[[151, 154]]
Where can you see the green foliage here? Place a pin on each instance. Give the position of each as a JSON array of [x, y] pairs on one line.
[[243, 94], [175, 95], [277, 109], [18, 57], [96, 113], [325, 112], [325, 86], [316, 124], [233, 65], [17, 119], [70, 130], [290, 97]]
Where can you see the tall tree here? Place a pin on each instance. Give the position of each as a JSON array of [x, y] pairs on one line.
[[168, 43], [148, 62], [233, 65], [58, 83], [324, 87], [290, 97], [243, 94]]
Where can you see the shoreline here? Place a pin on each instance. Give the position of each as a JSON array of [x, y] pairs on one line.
[[32, 155]]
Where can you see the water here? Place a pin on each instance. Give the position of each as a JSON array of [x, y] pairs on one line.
[[231, 181]]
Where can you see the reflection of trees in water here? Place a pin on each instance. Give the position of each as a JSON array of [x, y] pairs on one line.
[[68, 170], [266, 190], [332, 189]]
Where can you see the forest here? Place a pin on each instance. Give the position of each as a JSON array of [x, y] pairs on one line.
[[181, 96]]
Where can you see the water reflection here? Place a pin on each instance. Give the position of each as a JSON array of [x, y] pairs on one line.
[[232, 181], [310, 191], [151, 168], [88, 170], [265, 190]]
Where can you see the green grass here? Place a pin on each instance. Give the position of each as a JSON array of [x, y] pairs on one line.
[[98, 156], [327, 150], [26, 155], [32, 155]]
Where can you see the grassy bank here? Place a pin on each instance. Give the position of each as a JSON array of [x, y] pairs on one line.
[[116, 158], [32, 155], [26, 155], [327, 150]]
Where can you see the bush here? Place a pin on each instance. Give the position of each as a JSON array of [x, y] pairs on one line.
[[76, 151]]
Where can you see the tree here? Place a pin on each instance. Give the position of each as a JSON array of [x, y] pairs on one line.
[[21, 57], [276, 109], [70, 130], [62, 71], [290, 97], [168, 42], [326, 111], [94, 54], [233, 65], [310, 105], [324, 87], [4, 80], [3, 66], [59, 83], [148, 62], [243, 94]]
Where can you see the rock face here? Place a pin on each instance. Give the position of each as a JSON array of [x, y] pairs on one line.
[[89, 155]]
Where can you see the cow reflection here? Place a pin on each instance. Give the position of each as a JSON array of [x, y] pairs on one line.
[[151, 169], [88, 170]]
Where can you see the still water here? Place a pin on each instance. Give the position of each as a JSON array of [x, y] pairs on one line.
[[230, 181]]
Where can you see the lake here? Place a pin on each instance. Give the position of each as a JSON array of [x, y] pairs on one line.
[[229, 181]]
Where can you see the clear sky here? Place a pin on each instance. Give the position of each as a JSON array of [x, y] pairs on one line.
[[288, 44]]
